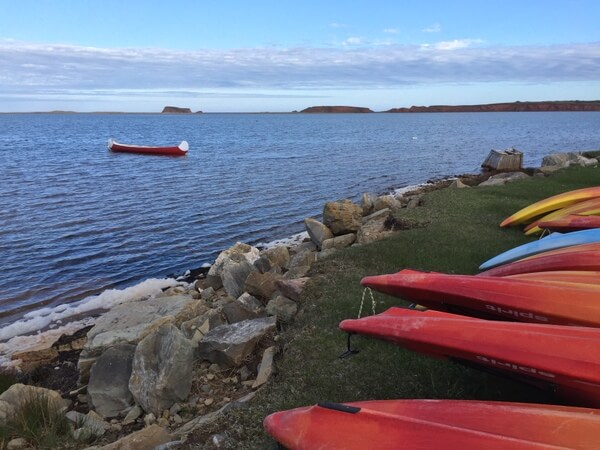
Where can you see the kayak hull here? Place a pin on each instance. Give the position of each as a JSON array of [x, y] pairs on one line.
[[576, 257], [552, 242], [551, 204], [562, 360], [572, 222], [424, 424], [494, 297], [179, 150]]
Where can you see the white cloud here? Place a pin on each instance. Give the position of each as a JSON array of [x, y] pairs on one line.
[[454, 44], [353, 40], [53, 70], [391, 30], [434, 28]]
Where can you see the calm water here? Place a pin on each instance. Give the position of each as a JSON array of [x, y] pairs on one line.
[[76, 219]]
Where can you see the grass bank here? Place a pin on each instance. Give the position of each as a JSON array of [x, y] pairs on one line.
[[458, 231]]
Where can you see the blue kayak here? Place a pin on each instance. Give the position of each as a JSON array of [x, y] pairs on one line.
[[552, 242]]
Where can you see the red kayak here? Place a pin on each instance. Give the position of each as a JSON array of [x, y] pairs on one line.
[[435, 424], [562, 276], [494, 297], [179, 150], [572, 222], [576, 257], [562, 360]]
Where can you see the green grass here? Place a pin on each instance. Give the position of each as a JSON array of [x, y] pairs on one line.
[[462, 231], [41, 422]]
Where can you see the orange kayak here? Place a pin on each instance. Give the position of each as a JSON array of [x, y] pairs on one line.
[[585, 208], [562, 360], [572, 222], [576, 257], [549, 204], [494, 297], [431, 424], [561, 276]]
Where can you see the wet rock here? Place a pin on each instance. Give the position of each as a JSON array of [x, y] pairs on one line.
[[317, 231], [130, 322], [342, 217], [568, 159], [228, 345], [108, 388], [162, 369]]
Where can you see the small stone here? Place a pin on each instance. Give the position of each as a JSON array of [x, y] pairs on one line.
[[134, 413], [245, 373], [209, 401], [210, 376], [206, 388], [177, 419], [214, 368], [175, 409], [218, 440], [17, 444], [82, 398], [116, 427], [162, 422], [149, 419]]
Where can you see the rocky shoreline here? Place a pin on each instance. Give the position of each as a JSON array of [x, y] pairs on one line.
[[151, 371]]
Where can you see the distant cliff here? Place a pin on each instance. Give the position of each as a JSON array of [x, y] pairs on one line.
[[575, 105], [336, 109], [175, 109]]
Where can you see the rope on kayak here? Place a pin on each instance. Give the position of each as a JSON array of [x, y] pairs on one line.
[[362, 301], [349, 350]]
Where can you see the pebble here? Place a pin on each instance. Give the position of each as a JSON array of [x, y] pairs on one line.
[[209, 401]]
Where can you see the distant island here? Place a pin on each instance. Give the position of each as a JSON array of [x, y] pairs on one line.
[[572, 105], [336, 109], [176, 110]]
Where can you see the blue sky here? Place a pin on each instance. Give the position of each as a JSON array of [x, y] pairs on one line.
[[227, 56]]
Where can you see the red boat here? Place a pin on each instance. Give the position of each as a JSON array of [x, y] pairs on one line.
[[572, 222], [435, 424], [576, 257], [560, 360], [586, 277], [179, 150], [495, 297]]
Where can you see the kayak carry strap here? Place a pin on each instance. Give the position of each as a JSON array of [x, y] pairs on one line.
[[349, 350]]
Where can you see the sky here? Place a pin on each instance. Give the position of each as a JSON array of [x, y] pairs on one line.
[[280, 56]]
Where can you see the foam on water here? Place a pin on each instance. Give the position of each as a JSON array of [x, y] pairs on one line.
[[18, 335]]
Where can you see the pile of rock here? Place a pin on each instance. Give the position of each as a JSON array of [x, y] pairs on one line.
[[164, 365]]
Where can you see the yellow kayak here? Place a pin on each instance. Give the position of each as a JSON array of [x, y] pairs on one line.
[[551, 204]]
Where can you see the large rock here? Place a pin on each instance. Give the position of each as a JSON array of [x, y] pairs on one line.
[[108, 388], [228, 345], [292, 288], [386, 202], [132, 321], [261, 285], [283, 308], [342, 217], [162, 369], [568, 159], [232, 267], [503, 178], [266, 368], [367, 202], [144, 439], [18, 394], [343, 241], [317, 231], [373, 227], [244, 308], [278, 256]]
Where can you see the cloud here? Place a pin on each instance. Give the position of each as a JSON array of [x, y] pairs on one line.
[[434, 28], [454, 44], [338, 25], [391, 30], [55, 70], [353, 40]]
